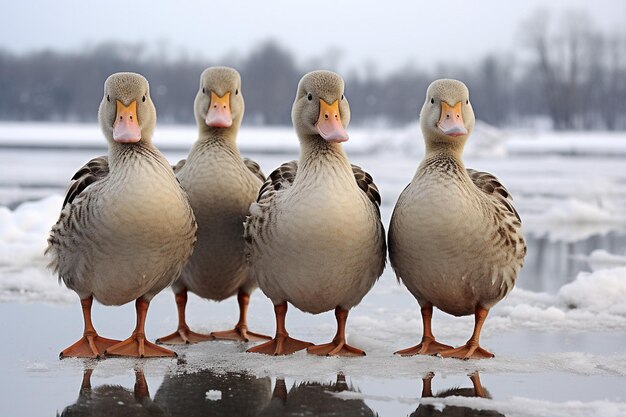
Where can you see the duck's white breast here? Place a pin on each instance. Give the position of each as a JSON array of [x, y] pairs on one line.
[[445, 245], [130, 235], [320, 247]]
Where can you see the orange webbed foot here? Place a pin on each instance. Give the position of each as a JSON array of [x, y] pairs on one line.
[[240, 334], [335, 349], [280, 345], [426, 347], [137, 346], [468, 351], [184, 336], [89, 346]]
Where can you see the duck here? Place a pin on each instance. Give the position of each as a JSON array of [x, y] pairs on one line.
[[317, 398], [126, 228], [314, 236], [221, 185], [209, 392], [436, 410], [115, 399], [455, 238]]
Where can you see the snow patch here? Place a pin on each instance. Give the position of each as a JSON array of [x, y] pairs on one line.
[[213, 395], [602, 291]]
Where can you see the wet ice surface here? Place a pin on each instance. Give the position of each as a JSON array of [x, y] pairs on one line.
[[558, 338]]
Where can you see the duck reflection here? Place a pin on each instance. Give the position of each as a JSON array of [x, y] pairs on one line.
[[113, 400], [428, 410], [314, 398], [209, 393]]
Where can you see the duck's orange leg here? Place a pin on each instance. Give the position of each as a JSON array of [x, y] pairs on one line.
[[91, 345], [338, 347], [136, 345], [428, 345], [183, 335], [472, 349], [282, 344], [240, 332]]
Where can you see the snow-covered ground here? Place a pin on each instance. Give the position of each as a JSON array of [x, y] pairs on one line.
[[559, 337]]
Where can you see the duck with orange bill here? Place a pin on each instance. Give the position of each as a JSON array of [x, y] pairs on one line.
[[126, 228], [314, 235], [455, 239]]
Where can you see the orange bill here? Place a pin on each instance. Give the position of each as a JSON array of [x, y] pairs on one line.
[[451, 120], [329, 123], [218, 114], [126, 127]]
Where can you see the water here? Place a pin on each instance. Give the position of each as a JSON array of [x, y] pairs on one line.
[[547, 370]]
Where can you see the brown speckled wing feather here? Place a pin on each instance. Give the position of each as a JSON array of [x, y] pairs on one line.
[[282, 177], [254, 168], [490, 185], [92, 171], [366, 184]]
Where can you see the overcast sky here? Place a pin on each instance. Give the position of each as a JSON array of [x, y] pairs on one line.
[[390, 33]]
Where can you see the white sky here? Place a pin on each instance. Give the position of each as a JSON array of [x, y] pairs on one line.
[[389, 33]]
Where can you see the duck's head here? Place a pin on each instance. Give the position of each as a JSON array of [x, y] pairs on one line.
[[219, 102], [447, 118], [127, 114], [321, 110]]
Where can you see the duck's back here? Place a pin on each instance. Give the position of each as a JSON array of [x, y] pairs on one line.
[[455, 238], [125, 231]]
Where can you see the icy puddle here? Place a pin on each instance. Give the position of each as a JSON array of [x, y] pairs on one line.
[[551, 373]]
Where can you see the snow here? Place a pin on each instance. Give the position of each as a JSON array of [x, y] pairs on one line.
[[570, 190], [214, 395]]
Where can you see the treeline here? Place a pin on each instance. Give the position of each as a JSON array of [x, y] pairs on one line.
[[565, 73]]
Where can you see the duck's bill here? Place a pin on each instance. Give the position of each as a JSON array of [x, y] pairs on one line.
[[218, 114], [451, 120], [329, 123], [126, 127]]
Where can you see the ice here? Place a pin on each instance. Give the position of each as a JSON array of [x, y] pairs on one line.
[[565, 337], [601, 259], [214, 395], [526, 407], [602, 291]]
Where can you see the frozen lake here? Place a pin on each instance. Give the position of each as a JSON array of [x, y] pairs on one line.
[[558, 338]]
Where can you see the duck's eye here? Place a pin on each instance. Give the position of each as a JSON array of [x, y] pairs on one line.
[[310, 97], [236, 91], [432, 100], [143, 99], [342, 97], [108, 98], [203, 90], [466, 101]]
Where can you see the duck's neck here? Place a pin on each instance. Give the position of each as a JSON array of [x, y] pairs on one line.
[[209, 137], [120, 154], [316, 153], [451, 149]]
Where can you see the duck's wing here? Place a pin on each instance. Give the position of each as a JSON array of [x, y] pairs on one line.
[[91, 172], [490, 185], [254, 168], [366, 184], [281, 178]]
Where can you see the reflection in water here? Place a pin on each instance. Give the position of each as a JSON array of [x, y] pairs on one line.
[[551, 264], [315, 399], [113, 400], [208, 393], [428, 410]]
